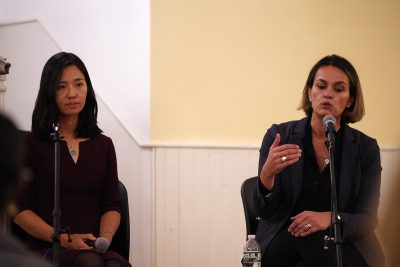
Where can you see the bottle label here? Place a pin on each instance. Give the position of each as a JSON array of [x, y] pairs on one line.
[[252, 258]]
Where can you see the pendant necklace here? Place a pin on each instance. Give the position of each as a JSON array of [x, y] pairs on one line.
[[72, 151], [326, 158]]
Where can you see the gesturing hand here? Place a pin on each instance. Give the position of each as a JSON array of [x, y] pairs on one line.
[[308, 222], [279, 157]]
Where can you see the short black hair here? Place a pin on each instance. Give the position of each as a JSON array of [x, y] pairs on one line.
[[11, 154], [45, 112]]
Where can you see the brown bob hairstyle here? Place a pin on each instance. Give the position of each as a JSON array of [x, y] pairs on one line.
[[356, 111]]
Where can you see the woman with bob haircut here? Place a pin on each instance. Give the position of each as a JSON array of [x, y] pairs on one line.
[[89, 194], [293, 193]]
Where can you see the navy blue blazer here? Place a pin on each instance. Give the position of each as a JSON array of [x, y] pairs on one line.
[[358, 189]]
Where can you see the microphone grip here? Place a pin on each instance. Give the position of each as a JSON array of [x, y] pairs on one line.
[[91, 243], [101, 244]]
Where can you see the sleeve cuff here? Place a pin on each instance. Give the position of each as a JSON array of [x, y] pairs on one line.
[[264, 191]]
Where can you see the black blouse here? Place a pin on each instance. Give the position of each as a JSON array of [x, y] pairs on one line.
[[315, 193]]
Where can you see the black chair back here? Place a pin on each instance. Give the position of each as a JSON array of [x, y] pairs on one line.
[[247, 191], [121, 240]]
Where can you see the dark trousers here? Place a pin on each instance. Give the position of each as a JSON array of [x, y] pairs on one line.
[[286, 250]]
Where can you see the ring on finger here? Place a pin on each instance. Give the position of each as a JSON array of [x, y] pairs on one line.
[[284, 158], [308, 226]]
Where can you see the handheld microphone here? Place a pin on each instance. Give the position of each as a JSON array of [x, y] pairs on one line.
[[101, 244], [330, 125]]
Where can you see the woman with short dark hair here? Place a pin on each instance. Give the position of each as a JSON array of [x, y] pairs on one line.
[[293, 195]]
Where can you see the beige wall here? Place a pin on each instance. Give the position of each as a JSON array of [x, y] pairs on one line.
[[224, 70]]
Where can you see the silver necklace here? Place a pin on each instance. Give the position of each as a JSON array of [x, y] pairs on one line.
[[326, 158], [72, 151]]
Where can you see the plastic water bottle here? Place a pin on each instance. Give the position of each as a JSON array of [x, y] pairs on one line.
[[251, 252]]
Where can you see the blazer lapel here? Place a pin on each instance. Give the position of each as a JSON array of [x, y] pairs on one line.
[[349, 157]]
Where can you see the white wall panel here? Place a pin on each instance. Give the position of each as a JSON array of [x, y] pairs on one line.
[[390, 176], [111, 37], [199, 214], [135, 171], [27, 46]]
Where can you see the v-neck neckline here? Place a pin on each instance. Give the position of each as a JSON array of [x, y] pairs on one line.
[[75, 163]]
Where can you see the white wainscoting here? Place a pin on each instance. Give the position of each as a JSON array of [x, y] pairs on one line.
[[199, 214]]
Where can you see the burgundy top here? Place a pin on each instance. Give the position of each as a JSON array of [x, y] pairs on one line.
[[88, 188]]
